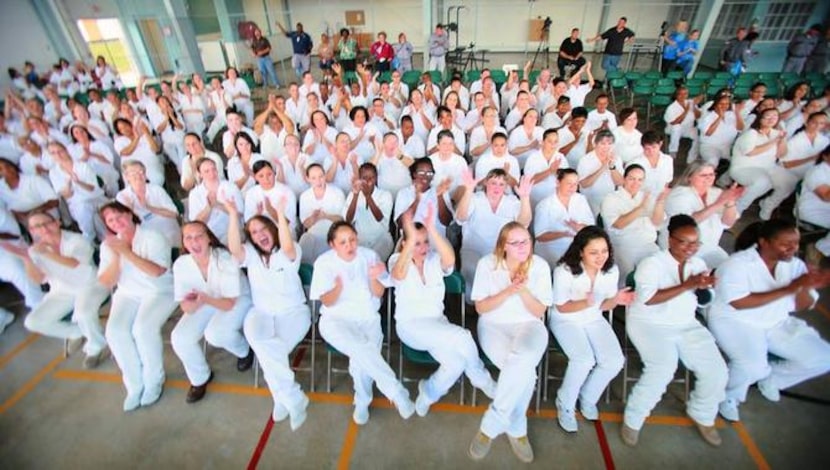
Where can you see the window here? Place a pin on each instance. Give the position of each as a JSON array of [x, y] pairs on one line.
[[683, 10], [104, 37], [732, 15], [785, 19]]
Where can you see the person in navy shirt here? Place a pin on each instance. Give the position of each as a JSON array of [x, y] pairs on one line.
[[302, 45]]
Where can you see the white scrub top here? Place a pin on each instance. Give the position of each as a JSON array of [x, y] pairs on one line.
[[148, 244], [550, 216], [331, 203], [218, 219], [482, 227], [537, 163], [369, 228], [416, 298], [492, 277], [661, 271], [63, 278], [810, 207], [356, 301], [567, 287], [224, 278], [276, 286]]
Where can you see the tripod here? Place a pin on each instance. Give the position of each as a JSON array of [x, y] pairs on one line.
[[544, 44]]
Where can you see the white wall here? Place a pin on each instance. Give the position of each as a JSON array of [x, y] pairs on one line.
[[17, 21]]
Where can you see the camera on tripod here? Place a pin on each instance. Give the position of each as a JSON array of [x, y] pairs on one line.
[[546, 25]]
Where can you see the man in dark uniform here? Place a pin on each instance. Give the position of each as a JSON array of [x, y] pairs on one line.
[[616, 38], [570, 53]]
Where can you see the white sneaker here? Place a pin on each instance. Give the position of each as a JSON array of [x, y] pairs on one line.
[[361, 415], [768, 390], [6, 319], [422, 403], [299, 414], [766, 212], [280, 412], [151, 395], [729, 410], [132, 402], [566, 418], [589, 411]]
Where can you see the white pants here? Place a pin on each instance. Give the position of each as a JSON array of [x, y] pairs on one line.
[[175, 152], [273, 337], [438, 63], [220, 329], [712, 154], [454, 349], [216, 125], [312, 246], [660, 346], [760, 180], [678, 132], [382, 245], [516, 350], [48, 317], [246, 107], [85, 213], [134, 335], [594, 359], [805, 354], [12, 270], [469, 262], [361, 341], [195, 124]]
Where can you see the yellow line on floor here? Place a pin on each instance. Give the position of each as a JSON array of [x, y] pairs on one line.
[[31, 384], [348, 446], [751, 447], [20, 347]]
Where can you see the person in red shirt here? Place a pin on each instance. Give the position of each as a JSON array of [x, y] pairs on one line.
[[382, 52]]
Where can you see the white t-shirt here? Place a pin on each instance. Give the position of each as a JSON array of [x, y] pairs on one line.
[[657, 177], [482, 227], [724, 135], [578, 93], [627, 145], [32, 191], [602, 186], [61, 180], [63, 278], [487, 161], [393, 175], [416, 298], [799, 146], [537, 163], [148, 244], [520, 138], [745, 273], [321, 151], [414, 147], [218, 219], [369, 228], [276, 286], [453, 167], [294, 173], [662, 271], [550, 215], [236, 87], [331, 203], [640, 230], [255, 199], [492, 277], [224, 278], [568, 287], [566, 136], [675, 110], [748, 141], [272, 144], [356, 301], [595, 120], [810, 207]]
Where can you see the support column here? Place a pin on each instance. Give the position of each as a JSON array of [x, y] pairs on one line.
[[229, 13], [707, 15], [56, 30], [182, 46]]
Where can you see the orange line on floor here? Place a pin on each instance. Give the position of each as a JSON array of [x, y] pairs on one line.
[[20, 347], [111, 377], [751, 447], [31, 384], [348, 446], [456, 408], [320, 397]]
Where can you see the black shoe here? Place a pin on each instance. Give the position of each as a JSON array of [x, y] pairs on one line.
[[246, 362], [197, 392]]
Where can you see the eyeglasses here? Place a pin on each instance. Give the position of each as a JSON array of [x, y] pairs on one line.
[[682, 242], [519, 243], [425, 174]]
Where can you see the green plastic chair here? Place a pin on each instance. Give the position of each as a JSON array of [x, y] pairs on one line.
[[617, 84], [703, 75], [472, 75], [665, 90], [666, 82], [724, 75], [655, 74], [675, 74], [641, 90], [615, 74], [654, 101], [741, 92]]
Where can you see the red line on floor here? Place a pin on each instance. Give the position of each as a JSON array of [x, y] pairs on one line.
[[603, 445], [269, 425]]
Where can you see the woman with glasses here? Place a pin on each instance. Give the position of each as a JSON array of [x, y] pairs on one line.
[[712, 208], [512, 292], [415, 198], [662, 326]]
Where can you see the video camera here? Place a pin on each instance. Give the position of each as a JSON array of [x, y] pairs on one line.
[[546, 25]]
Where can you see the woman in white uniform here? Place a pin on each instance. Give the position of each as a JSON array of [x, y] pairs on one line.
[[584, 285], [543, 165], [758, 287], [240, 166], [348, 282], [525, 140], [718, 128], [632, 215], [169, 124], [138, 144], [293, 165], [754, 164], [263, 198], [206, 202], [63, 259], [680, 118], [658, 166], [804, 146], [137, 261], [362, 133], [218, 103], [196, 151], [239, 92], [369, 209], [319, 138], [417, 275], [627, 138], [341, 167], [814, 203], [214, 296], [279, 318], [511, 291], [320, 206], [192, 109], [150, 203], [24, 194], [98, 155], [422, 113], [77, 184], [14, 270], [393, 164], [560, 216], [482, 214], [793, 101], [712, 208], [600, 171], [416, 198], [662, 326]]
